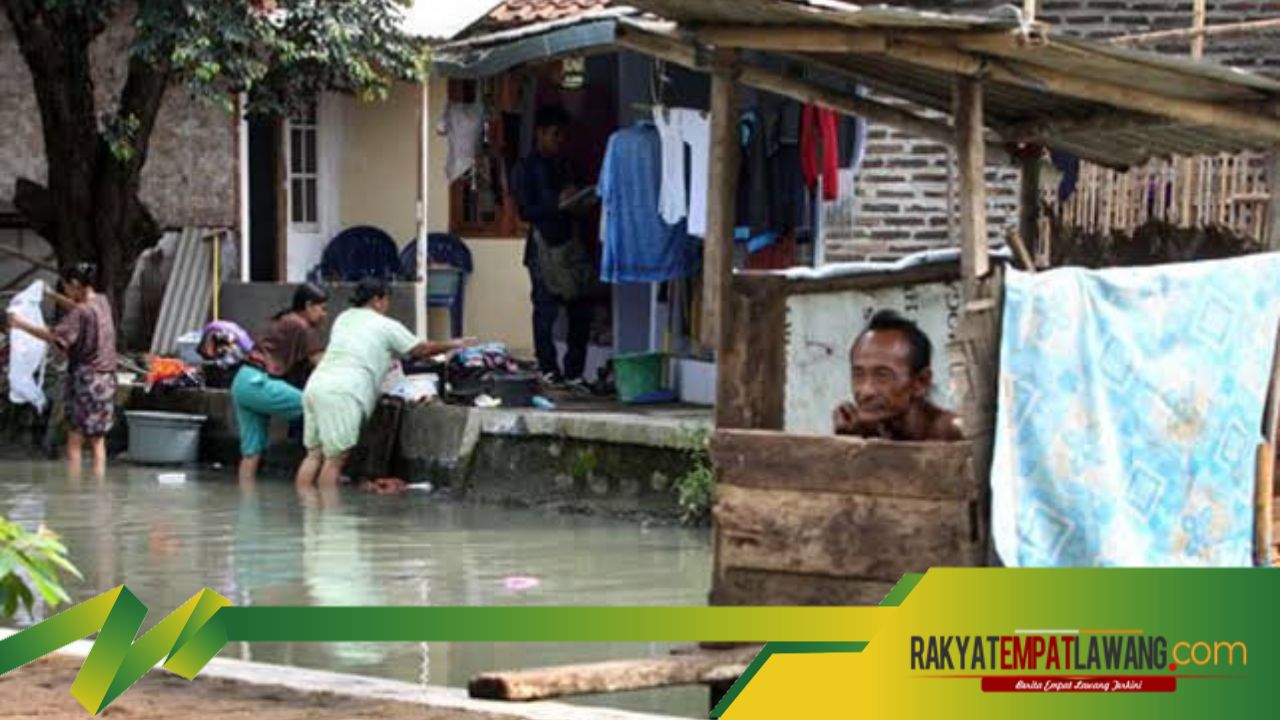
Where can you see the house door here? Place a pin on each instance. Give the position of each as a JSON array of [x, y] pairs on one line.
[[266, 239], [311, 154]]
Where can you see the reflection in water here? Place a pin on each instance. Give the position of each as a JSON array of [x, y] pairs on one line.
[[269, 544]]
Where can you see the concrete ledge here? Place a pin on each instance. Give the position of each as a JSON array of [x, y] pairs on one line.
[[620, 428], [368, 688]]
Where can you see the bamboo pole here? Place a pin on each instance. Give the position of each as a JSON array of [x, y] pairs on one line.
[[1197, 52], [1264, 489], [1273, 203], [1223, 30]]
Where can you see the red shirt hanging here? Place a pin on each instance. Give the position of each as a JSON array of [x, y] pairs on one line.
[[820, 150]]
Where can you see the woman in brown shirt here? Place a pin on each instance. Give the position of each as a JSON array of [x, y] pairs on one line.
[[269, 383], [87, 334]]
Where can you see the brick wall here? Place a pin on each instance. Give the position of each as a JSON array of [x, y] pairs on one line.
[[190, 176], [899, 201]]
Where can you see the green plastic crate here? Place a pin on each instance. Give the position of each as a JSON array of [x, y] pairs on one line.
[[640, 376]]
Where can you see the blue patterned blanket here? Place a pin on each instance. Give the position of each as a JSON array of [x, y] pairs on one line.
[[1131, 405]]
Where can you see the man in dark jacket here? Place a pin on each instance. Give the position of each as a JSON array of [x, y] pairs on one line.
[[540, 183]]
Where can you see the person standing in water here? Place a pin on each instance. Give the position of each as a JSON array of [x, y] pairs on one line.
[[343, 391], [269, 383], [87, 335]]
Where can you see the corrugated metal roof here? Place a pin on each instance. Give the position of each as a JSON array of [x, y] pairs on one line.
[[1014, 58]]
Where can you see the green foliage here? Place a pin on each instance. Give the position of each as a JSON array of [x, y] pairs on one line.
[[30, 559], [584, 463], [695, 488], [283, 53]]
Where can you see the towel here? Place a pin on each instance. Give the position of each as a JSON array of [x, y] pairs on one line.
[[1130, 410]]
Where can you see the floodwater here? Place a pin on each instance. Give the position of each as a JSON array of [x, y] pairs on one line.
[[271, 546]]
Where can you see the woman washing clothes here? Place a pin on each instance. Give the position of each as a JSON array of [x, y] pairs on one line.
[[343, 391], [87, 335], [269, 383]]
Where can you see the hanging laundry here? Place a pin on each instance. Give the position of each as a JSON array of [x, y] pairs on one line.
[[679, 128], [27, 353], [638, 245], [697, 135], [853, 137], [819, 150], [463, 124], [754, 206], [673, 203]]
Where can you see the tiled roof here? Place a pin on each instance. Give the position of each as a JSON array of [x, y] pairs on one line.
[[523, 12]]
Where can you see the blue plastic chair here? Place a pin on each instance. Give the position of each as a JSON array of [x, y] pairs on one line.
[[357, 253], [446, 287]]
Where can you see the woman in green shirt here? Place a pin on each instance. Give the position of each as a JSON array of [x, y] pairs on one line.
[[343, 390]]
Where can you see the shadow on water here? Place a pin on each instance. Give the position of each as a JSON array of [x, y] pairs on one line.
[[270, 546]]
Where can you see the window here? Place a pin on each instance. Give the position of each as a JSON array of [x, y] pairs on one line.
[[480, 202], [304, 168]]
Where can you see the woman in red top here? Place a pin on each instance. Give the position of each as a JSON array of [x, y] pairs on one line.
[[87, 334]]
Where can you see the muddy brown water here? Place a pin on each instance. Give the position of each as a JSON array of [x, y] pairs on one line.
[[272, 546]]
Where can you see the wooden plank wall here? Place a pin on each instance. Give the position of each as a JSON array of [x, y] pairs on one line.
[[753, 361], [807, 520]]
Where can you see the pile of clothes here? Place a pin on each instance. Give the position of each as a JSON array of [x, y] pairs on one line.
[[171, 374], [476, 371]]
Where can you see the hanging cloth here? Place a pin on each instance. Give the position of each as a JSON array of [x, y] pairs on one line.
[[27, 353], [819, 150]]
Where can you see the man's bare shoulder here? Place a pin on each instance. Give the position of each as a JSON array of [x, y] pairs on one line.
[[947, 427]]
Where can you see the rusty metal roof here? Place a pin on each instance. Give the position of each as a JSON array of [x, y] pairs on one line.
[[1033, 75]]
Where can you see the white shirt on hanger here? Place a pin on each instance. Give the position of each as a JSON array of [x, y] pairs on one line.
[[672, 200], [462, 124], [696, 129]]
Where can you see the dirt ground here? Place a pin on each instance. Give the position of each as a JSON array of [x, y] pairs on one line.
[[43, 689]]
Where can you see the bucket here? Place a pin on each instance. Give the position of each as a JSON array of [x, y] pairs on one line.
[[641, 377], [160, 438]]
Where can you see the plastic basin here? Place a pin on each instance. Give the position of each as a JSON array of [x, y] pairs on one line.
[[160, 438]]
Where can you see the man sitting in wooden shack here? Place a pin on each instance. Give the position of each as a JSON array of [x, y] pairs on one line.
[[892, 380]]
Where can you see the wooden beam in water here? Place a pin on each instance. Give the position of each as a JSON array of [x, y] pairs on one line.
[[613, 676]]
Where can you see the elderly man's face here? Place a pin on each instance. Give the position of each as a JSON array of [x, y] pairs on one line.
[[884, 386]]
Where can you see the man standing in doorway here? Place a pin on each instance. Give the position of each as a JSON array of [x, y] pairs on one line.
[[541, 182]]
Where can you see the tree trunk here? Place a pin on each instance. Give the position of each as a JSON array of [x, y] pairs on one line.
[[89, 209]]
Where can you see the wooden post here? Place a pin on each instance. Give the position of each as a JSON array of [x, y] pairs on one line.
[[421, 315], [1272, 239], [1188, 166], [718, 262], [974, 262], [1029, 201]]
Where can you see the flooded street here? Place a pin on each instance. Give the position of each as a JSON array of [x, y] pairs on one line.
[[270, 546]]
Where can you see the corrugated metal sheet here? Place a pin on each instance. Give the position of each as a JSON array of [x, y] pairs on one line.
[[188, 292]]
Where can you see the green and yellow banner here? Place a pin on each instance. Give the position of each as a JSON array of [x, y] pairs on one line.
[[955, 643]]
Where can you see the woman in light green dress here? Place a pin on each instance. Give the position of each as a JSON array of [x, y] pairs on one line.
[[343, 391]]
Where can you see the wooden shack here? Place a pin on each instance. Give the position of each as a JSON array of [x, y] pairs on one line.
[[803, 519], [808, 520]]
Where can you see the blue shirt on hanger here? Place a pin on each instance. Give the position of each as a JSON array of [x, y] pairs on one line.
[[638, 245]]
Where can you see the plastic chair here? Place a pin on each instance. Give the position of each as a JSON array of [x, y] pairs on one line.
[[446, 286], [356, 253]]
